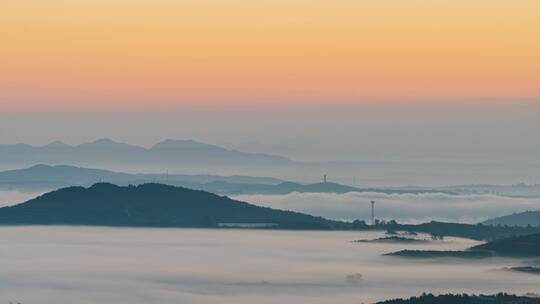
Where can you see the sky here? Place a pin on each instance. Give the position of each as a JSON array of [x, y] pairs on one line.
[[440, 87], [117, 54]]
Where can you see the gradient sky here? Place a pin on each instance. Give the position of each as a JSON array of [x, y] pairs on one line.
[[118, 54], [449, 89]]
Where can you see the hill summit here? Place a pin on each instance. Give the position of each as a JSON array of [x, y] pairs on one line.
[[150, 205]]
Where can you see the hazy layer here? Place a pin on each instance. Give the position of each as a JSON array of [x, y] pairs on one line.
[[404, 207], [439, 143], [106, 265], [12, 197]]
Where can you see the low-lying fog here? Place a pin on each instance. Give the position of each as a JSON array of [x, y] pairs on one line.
[[405, 208], [12, 197], [130, 265]]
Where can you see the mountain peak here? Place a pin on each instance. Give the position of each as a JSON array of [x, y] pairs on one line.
[[106, 143], [184, 144], [56, 144], [186, 152], [39, 167]]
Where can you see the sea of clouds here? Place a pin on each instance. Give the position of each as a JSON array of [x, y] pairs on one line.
[[65, 265], [407, 208]]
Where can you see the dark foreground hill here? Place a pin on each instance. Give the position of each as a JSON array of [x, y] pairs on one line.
[[476, 232], [500, 298], [517, 219], [520, 246], [524, 246], [150, 205]]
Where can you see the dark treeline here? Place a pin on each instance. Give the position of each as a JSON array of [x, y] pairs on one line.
[[427, 254], [522, 246], [519, 246], [476, 231], [501, 298]]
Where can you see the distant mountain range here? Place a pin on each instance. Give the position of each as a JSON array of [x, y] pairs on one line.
[[106, 151], [46, 177], [151, 205], [517, 219]]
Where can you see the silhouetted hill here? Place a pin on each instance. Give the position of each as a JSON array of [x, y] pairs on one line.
[[185, 145], [52, 177], [149, 205], [393, 239], [524, 269], [476, 232], [514, 190], [520, 246], [281, 188], [58, 176], [288, 187], [329, 187], [105, 144], [429, 254], [517, 219], [500, 298]]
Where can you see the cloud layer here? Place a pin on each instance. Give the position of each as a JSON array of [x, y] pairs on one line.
[[401, 207], [46, 265]]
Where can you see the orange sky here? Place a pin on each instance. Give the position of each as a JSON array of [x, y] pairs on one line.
[[108, 54]]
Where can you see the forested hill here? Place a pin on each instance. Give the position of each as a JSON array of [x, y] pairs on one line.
[[517, 219], [520, 246], [150, 205]]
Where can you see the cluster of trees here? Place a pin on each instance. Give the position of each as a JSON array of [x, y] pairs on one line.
[[501, 298]]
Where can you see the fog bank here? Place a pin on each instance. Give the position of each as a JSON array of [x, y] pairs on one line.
[[408, 208], [64, 265]]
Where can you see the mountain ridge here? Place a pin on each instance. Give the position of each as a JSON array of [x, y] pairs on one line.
[[56, 176], [107, 151]]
